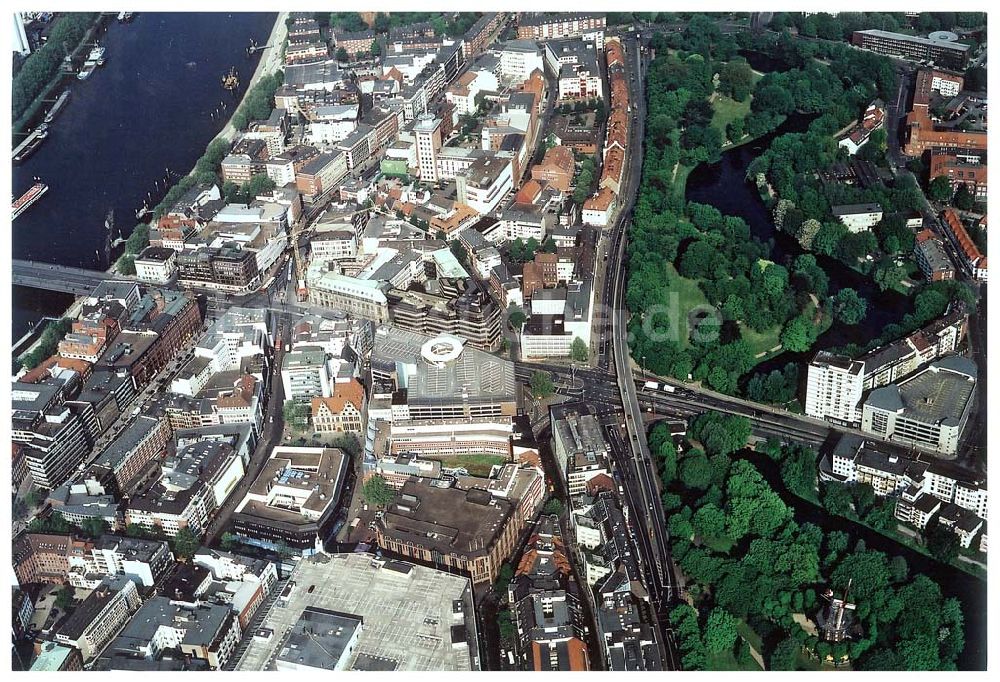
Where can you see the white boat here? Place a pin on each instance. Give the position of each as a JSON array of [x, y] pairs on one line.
[[88, 68], [97, 55]]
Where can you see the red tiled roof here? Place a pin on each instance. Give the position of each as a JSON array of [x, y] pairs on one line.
[[347, 392], [954, 224]]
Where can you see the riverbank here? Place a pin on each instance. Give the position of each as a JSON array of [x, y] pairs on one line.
[[266, 65], [19, 126]]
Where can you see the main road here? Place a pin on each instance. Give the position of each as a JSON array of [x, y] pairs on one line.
[[647, 512]]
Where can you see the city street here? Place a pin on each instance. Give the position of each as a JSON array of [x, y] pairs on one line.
[[270, 435]]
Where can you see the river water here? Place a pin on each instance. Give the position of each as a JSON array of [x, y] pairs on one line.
[[724, 186], [148, 109], [971, 591]]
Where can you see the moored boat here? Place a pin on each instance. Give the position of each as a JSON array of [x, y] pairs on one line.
[[22, 203], [57, 107]]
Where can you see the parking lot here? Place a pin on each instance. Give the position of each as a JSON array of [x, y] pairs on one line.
[[407, 612]]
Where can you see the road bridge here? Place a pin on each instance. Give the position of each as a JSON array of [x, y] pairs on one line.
[[61, 278]]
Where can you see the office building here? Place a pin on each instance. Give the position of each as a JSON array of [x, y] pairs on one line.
[[470, 530], [55, 436], [460, 307], [427, 131], [306, 374], [293, 500], [485, 183], [209, 632], [99, 617], [945, 53]]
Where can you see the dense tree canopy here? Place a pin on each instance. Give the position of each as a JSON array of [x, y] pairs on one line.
[[781, 566], [376, 491]]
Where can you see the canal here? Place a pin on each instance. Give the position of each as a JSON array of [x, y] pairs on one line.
[[154, 106], [968, 589], [724, 186]]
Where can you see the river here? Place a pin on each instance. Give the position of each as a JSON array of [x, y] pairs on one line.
[[971, 591], [148, 109], [724, 185]]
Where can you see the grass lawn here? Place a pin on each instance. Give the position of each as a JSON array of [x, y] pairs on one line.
[[750, 635], [728, 110], [680, 179], [689, 296], [761, 342], [722, 544], [477, 465], [727, 661]]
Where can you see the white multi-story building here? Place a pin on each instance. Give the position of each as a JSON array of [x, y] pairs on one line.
[[98, 618], [281, 169], [834, 387], [334, 245], [427, 131], [240, 333], [858, 217], [463, 92], [519, 59], [524, 222], [144, 561], [485, 183], [574, 63], [307, 374], [924, 485], [558, 317], [156, 264]]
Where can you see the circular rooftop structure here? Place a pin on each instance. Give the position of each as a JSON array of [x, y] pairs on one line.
[[442, 349], [946, 36]]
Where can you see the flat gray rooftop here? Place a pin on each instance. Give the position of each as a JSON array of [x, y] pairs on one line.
[[937, 394], [408, 614]]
